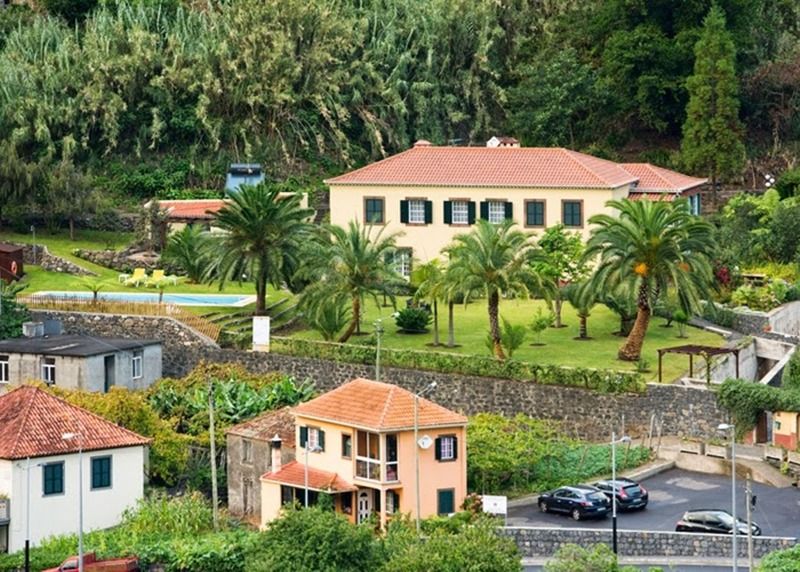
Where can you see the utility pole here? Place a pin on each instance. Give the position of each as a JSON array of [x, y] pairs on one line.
[[212, 437], [750, 500], [378, 334]]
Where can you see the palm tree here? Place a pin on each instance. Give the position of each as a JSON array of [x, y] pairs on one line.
[[493, 259], [352, 262], [261, 233], [188, 249], [655, 245], [429, 278], [583, 297]]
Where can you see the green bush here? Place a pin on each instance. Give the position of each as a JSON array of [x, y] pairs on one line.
[[413, 320], [522, 454], [188, 194], [781, 561], [606, 381], [719, 315], [746, 401], [12, 314], [760, 298], [788, 184], [791, 373], [596, 558]]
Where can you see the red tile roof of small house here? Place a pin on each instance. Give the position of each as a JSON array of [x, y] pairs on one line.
[[654, 197], [265, 426], [200, 209], [658, 179], [33, 422], [549, 167], [294, 474], [376, 406]]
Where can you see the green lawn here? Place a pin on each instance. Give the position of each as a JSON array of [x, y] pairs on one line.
[[472, 325]]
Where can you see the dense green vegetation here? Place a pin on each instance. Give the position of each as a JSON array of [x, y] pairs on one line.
[[522, 455], [134, 98], [747, 401]]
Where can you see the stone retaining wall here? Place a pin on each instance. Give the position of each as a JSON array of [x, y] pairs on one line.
[[50, 261], [683, 410], [781, 323], [544, 542]]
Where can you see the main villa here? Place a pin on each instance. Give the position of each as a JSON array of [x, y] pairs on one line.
[[431, 193]]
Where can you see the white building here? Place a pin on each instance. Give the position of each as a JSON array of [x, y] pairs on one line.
[[33, 426]]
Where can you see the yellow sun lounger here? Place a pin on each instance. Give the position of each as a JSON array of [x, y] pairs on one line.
[[138, 277]]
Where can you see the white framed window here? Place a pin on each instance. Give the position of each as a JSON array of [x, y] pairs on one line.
[[497, 212], [460, 212], [49, 370], [402, 262], [5, 376], [448, 449], [313, 437], [416, 211], [136, 365]]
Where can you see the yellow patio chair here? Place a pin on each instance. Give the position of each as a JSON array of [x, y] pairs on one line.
[[156, 278], [138, 277]]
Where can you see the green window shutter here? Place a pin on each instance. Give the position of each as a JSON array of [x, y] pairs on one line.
[[455, 448], [471, 212], [445, 501], [448, 212], [438, 448], [484, 210], [509, 210], [428, 212], [303, 436], [404, 211], [321, 439]]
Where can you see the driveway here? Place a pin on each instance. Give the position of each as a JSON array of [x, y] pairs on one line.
[[673, 492]]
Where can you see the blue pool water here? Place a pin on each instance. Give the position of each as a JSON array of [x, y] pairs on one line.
[[179, 299]]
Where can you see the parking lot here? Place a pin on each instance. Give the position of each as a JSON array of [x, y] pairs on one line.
[[673, 492]]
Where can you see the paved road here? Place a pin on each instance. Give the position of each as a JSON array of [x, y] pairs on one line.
[[675, 491]]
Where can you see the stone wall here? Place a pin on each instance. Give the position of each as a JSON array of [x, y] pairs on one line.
[[781, 324], [683, 410], [544, 542], [51, 262]]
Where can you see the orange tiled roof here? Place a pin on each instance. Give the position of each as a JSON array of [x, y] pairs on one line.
[[490, 167], [293, 474], [32, 423], [376, 406], [267, 425], [655, 197], [199, 209], [653, 178]]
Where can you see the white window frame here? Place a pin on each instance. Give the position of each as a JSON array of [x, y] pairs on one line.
[[137, 358], [459, 212], [447, 448], [49, 371], [313, 438], [5, 374], [496, 211], [416, 211], [367, 467], [402, 262]]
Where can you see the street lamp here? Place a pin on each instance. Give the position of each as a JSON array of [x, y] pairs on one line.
[[79, 437], [724, 428], [614, 441], [33, 230], [430, 387], [314, 449], [378, 333]]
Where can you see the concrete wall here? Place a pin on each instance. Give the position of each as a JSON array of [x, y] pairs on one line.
[[724, 367], [239, 471], [58, 514], [427, 241], [544, 542], [781, 322]]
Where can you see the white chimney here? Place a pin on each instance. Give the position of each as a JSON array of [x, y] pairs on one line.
[[502, 142], [275, 449], [261, 328]]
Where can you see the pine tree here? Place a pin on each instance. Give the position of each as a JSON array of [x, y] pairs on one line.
[[712, 133]]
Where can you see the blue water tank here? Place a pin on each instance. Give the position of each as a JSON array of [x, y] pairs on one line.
[[243, 174]]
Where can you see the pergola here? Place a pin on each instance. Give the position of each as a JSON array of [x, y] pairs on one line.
[[706, 352]]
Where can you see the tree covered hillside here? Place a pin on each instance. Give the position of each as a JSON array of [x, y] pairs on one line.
[[133, 98]]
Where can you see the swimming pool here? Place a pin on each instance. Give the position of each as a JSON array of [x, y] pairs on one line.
[[236, 300]]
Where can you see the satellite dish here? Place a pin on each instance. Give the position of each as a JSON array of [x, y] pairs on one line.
[[425, 442]]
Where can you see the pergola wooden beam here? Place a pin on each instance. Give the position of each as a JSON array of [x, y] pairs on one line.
[[706, 352]]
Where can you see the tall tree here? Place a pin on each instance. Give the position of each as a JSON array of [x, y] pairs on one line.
[[654, 245], [353, 261], [493, 259], [559, 262], [261, 232], [712, 134], [429, 278]]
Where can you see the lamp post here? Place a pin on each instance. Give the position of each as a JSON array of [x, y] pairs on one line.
[[28, 517], [727, 427], [33, 230], [614, 441], [378, 334], [427, 389], [79, 437], [314, 449]]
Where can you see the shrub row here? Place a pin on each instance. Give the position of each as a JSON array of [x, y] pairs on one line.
[[606, 381]]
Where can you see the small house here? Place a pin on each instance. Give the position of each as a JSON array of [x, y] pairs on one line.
[[12, 264]]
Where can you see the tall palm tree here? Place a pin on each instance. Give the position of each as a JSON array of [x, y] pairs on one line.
[[583, 297], [656, 245], [493, 259], [261, 236], [353, 262], [188, 248], [429, 278]]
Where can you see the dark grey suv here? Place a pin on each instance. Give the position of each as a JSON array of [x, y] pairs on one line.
[[712, 521], [630, 495], [579, 502]]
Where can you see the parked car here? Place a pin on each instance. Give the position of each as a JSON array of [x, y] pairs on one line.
[[712, 521], [579, 502], [630, 495], [92, 564]]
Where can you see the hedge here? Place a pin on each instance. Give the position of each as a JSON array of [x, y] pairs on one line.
[[602, 380]]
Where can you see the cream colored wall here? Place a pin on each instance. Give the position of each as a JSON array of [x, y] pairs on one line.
[[434, 474], [270, 502], [427, 241], [787, 420], [330, 459]]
